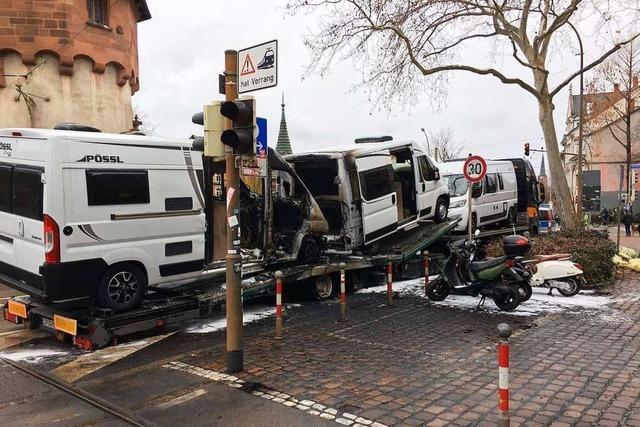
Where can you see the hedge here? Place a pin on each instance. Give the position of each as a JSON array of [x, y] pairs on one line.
[[592, 249]]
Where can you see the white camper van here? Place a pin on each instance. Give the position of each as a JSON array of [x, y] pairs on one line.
[[495, 199], [373, 189], [87, 215]]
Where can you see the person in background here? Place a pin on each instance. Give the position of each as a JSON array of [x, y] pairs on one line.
[[604, 214], [627, 220]]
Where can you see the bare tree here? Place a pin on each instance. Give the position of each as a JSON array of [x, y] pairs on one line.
[[445, 146], [397, 42], [615, 108]]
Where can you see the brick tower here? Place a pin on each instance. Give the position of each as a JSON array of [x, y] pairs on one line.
[[69, 61]]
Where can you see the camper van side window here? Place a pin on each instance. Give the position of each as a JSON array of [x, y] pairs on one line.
[[376, 182], [6, 185], [117, 187], [500, 182], [27, 192], [491, 185], [425, 170]]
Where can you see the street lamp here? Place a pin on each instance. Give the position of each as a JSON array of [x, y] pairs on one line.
[[580, 142], [428, 145]]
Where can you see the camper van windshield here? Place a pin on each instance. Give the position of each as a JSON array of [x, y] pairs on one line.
[[457, 185]]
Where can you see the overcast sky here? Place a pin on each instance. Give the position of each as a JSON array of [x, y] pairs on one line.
[[182, 52]]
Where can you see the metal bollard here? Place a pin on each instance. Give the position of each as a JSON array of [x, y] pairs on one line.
[[278, 305], [425, 266], [504, 332], [343, 294], [389, 282]]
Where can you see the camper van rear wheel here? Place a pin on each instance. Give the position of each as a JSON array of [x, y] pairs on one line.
[[322, 287], [122, 287], [442, 209]]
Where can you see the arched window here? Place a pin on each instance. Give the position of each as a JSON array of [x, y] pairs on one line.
[[98, 11]]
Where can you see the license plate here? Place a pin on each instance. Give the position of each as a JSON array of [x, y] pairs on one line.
[[47, 323], [64, 324], [17, 308]]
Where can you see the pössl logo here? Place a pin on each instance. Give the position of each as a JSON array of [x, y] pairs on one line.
[[97, 158]]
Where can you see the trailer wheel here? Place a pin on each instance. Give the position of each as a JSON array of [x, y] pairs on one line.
[[322, 287], [122, 287], [442, 209]]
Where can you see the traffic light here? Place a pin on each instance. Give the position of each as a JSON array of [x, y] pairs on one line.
[[526, 149], [241, 137], [213, 123]]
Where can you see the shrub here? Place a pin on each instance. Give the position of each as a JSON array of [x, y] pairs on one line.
[[592, 249]]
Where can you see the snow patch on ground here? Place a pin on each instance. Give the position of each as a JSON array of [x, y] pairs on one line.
[[539, 303], [35, 355], [251, 314]]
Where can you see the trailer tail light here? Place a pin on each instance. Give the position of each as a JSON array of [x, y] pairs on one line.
[[578, 266], [10, 317], [51, 241], [83, 343]]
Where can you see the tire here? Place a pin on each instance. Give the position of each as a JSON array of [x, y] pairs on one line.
[[437, 290], [574, 287], [511, 218], [596, 222], [322, 287], [121, 287], [524, 291], [442, 210], [507, 298], [309, 250]]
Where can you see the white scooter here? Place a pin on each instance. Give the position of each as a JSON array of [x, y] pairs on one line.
[[556, 272]]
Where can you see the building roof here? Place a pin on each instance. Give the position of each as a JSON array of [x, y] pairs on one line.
[[283, 146], [143, 10], [599, 101]]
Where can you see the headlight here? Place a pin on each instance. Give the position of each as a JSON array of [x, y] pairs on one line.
[[458, 204]]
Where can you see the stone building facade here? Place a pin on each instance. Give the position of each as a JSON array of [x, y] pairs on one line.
[[69, 61]]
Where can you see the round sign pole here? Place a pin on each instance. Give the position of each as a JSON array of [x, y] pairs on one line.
[[474, 170]]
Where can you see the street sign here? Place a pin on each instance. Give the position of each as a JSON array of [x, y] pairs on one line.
[[635, 165], [475, 168], [262, 147], [254, 167], [258, 67]]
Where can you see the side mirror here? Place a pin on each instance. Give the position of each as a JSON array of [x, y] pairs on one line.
[[476, 233], [543, 192], [436, 174], [476, 191]]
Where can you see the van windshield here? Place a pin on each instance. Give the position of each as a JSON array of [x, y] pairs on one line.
[[457, 185]]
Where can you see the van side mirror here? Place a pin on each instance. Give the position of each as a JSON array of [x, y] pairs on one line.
[[476, 191], [543, 192], [436, 174]]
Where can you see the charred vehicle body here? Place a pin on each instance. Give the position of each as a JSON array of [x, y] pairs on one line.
[[372, 190]]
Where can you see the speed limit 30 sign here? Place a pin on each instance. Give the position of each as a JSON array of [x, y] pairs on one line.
[[475, 168]]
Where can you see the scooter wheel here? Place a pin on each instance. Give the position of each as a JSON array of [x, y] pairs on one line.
[[572, 287], [507, 298], [437, 290], [524, 291]]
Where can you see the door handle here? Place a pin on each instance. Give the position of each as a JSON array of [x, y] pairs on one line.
[[393, 199], [424, 187], [21, 228]]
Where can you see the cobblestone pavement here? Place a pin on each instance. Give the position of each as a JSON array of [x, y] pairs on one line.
[[421, 364]]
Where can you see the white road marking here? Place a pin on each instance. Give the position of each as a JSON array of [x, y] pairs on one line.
[[91, 362], [181, 399], [308, 406]]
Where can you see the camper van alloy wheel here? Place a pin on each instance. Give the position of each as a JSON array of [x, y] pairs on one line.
[[122, 287], [442, 209]]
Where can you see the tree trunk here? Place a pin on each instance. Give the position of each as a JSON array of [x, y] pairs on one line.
[[628, 147], [558, 178]]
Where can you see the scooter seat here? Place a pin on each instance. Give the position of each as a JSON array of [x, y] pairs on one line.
[[477, 266]]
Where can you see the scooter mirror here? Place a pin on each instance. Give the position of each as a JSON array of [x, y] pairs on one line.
[[476, 233]]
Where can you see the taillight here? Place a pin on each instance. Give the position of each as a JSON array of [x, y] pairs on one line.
[[51, 241], [578, 266]]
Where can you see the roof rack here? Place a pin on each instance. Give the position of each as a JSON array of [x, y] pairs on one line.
[[371, 139]]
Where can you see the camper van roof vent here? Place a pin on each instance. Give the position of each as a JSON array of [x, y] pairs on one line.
[[76, 127], [370, 139]]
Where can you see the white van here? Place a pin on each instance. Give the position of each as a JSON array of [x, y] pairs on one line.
[[93, 216], [373, 189], [495, 199]]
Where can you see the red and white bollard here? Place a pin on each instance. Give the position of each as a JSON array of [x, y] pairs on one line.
[[504, 332], [425, 267], [278, 305], [343, 294], [389, 282]]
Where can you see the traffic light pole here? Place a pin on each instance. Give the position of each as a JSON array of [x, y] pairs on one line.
[[235, 356]]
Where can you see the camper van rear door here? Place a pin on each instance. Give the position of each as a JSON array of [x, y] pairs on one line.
[[28, 209], [378, 192]]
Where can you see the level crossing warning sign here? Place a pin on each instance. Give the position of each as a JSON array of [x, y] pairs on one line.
[[258, 67]]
